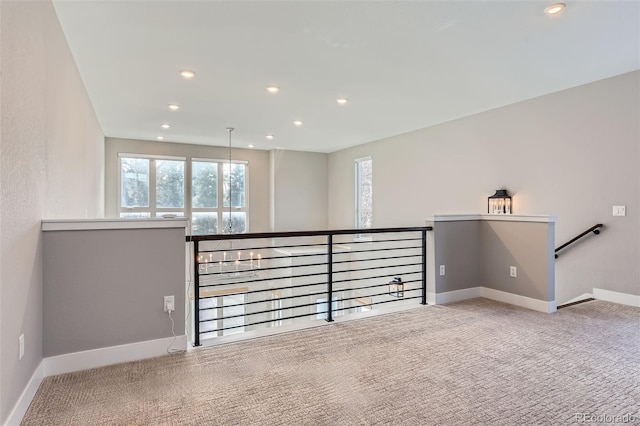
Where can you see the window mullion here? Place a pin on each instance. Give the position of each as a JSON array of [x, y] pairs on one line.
[[188, 191], [152, 187]]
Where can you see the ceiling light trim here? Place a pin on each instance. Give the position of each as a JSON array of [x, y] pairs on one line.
[[554, 9], [187, 74]]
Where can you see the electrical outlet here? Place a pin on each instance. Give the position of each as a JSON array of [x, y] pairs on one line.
[[442, 270], [513, 271], [21, 344], [169, 304]]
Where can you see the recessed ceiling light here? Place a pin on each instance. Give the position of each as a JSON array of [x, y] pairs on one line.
[[297, 123], [270, 137], [273, 89], [342, 101], [251, 145], [554, 9], [165, 125], [160, 138], [187, 74], [174, 107]]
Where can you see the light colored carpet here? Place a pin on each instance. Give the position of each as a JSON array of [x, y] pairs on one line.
[[473, 362]]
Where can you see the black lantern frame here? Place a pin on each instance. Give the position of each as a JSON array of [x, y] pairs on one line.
[[499, 203], [396, 287]]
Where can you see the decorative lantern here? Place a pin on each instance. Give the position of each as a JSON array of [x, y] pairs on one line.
[[500, 202], [396, 287]]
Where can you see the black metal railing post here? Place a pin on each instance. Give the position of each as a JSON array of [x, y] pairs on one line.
[[329, 278], [196, 294], [424, 267]]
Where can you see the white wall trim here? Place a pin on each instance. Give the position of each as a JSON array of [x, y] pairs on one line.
[[19, 410], [497, 295], [616, 297], [517, 300], [495, 217], [458, 295], [95, 224], [101, 357]]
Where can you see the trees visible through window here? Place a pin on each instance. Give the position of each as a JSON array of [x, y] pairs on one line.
[[155, 186], [364, 192], [151, 187], [215, 200]]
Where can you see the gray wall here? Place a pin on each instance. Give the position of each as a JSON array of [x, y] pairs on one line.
[[51, 166], [571, 154], [299, 190], [480, 252], [106, 287], [457, 246], [525, 245], [259, 192]]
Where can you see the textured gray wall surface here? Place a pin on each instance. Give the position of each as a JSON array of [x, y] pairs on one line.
[[105, 287], [51, 166]]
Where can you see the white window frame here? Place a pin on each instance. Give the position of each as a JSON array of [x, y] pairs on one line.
[[187, 209], [220, 210], [152, 209], [358, 195]]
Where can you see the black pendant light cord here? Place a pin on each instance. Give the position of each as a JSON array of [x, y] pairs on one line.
[[230, 226]]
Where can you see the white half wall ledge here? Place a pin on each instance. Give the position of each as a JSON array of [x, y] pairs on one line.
[[117, 223], [497, 295], [492, 217], [616, 297]]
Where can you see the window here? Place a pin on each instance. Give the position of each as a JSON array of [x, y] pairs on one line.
[[213, 199], [364, 192], [153, 186]]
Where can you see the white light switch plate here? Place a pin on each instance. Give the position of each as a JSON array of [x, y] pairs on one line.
[[619, 210]]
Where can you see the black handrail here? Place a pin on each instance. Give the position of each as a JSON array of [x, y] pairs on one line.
[[595, 229], [259, 235]]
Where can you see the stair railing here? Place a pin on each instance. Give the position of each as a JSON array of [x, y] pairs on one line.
[[595, 229]]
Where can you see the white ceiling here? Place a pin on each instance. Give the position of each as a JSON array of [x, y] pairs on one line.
[[403, 65]]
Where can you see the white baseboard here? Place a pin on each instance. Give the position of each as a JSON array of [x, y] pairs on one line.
[[616, 297], [77, 361], [457, 295], [19, 410], [497, 295], [517, 300], [84, 360]]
